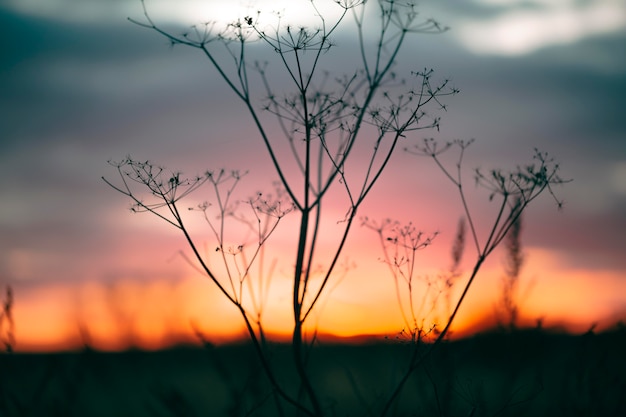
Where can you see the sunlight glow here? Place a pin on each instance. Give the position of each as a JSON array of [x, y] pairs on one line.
[[185, 12], [162, 312], [563, 295], [524, 30], [298, 12]]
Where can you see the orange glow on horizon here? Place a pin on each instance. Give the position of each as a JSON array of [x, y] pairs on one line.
[[161, 313]]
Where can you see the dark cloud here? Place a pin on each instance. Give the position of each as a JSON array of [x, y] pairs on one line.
[[58, 77], [586, 240]]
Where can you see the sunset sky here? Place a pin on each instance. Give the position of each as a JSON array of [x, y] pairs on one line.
[[80, 85]]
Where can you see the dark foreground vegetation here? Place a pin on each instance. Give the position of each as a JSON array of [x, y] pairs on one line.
[[524, 373]]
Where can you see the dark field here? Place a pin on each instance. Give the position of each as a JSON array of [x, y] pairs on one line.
[[529, 373]]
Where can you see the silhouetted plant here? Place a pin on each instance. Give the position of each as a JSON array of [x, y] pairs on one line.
[[400, 245], [327, 123], [8, 400], [7, 325], [514, 262], [515, 190]]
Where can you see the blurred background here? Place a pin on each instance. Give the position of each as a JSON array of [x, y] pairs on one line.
[[80, 85]]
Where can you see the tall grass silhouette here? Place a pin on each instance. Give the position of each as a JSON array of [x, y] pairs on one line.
[[7, 324]]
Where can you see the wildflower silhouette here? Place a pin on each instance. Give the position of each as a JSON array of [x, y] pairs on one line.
[[329, 124]]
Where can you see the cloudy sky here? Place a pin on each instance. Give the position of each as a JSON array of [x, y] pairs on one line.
[[80, 84]]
